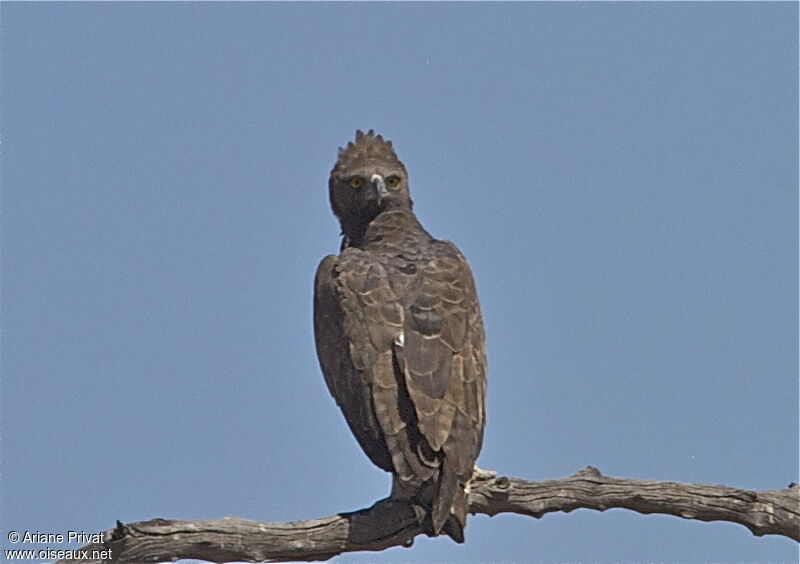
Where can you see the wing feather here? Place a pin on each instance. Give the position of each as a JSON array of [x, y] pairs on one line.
[[444, 367], [347, 352], [408, 370], [357, 320]]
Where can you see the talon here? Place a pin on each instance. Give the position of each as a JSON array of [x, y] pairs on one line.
[[478, 474]]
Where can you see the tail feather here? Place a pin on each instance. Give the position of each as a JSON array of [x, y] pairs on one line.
[[448, 483], [449, 511], [454, 530]]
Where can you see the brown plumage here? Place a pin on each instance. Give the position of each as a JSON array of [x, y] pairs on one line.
[[400, 338]]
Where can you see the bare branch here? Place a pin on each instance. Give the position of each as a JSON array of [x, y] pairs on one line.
[[391, 523], [764, 512]]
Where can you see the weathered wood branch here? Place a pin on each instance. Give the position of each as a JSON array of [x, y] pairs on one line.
[[389, 523]]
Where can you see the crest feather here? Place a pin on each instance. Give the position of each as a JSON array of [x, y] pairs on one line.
[[367, 146]]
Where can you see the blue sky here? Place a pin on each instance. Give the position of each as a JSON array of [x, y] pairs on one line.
[[622, 178]]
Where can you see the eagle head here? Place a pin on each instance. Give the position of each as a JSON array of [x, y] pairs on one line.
[[367, 179]]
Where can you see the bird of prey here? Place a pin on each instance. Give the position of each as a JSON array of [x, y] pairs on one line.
[[400, 338]]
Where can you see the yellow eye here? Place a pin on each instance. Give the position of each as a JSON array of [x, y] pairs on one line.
[[393, 181], [356, 182]]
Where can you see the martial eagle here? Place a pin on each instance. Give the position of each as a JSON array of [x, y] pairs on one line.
[[400, 338]]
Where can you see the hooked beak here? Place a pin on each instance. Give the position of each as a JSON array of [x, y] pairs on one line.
[[379, 186]]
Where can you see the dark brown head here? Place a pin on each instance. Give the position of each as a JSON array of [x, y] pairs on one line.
[[368, 178]]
